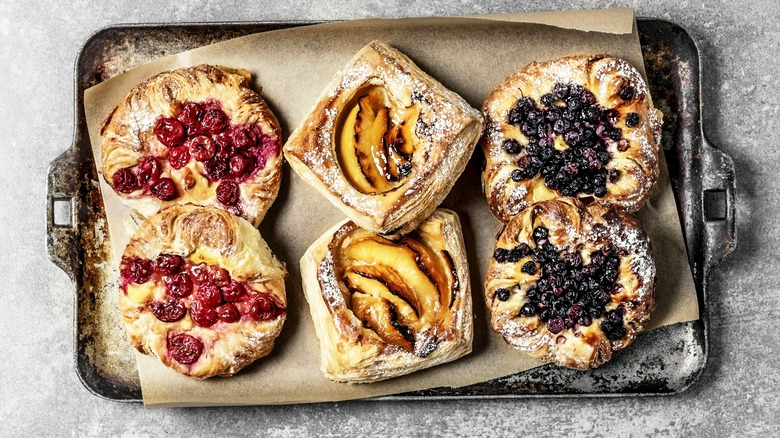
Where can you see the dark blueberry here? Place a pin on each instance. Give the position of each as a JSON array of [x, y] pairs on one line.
[[528, 310], [552, 114], [513, 256], [574, 260], [576, 90], [528, 129], [535, 164], [501, 254], [587, 98], [613, 175], [584, 320], [571, 138], [590, 114], [546, 314], [523, 249], [573, 103], [545, 144], [547, 100], [535, 116], [529, 268], [516, 116], [540, 233], [614, 134], [609, 116], [613, 263], [555, 325], [632, 119], [524, 161], [532, 148], [517, 175], [542, 130], [600, 192], [627, 93], [511, 146], [597, 259], [502, 294], [561, 126], [602, 156], [561, 91], [525, 104]]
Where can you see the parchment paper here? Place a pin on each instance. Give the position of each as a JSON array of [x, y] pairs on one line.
[[468, 55]]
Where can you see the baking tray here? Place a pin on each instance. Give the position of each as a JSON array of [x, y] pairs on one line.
[[663, 361]]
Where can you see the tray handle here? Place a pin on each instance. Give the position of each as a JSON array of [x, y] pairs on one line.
[[63, 208], [718, 204]]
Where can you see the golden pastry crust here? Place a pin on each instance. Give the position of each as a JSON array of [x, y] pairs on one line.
[[633, 147], [130, 134], [385, 142], [584, 240], [383, 309], [203, 240]]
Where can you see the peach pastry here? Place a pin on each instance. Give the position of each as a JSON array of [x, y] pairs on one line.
[[384, 308], [385, 142]]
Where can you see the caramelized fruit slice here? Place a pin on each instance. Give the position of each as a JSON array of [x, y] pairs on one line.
[[375, 144]]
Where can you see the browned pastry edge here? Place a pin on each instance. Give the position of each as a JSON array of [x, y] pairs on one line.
[[584, 229]]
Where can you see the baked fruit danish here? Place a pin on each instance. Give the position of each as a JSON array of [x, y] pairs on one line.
[[571, 284], [581, 126], [385, 142], [201, 290], [384, 308], [194, 135]]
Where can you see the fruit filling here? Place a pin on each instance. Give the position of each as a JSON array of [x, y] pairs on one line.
[[376, 141], [200, 132], [171, 286], [568, 134], [566, 292], [399, 289]]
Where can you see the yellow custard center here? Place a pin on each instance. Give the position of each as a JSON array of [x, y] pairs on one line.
[[375, 141]]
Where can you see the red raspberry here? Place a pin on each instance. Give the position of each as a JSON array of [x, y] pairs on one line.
[[244, 136], [184, 348], [200, 273], [265, 308], [169, 131], [239, 164], [223, 139], [216, 169], [140, 270]]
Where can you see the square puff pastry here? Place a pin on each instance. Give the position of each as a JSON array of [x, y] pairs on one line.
[[385, 308], [385, 142]]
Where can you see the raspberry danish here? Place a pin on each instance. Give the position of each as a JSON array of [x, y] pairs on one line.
[[194, 135], [580, 127], [571, 284], [385, 142], [201, 290], [384, 308]]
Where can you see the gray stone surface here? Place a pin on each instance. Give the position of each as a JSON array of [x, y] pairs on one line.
[[40, 393]]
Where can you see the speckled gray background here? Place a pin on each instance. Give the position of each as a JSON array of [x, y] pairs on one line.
[[40, 394]]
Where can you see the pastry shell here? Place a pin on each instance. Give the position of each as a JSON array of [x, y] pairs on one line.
[[573, 228], [351, 350], [445, 134], [605, 77], [215, 237]]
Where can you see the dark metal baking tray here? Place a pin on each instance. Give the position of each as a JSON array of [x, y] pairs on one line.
[[663, 361]]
